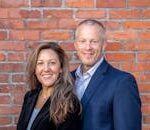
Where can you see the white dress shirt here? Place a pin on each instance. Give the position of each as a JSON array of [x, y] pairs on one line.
[[83, 79]]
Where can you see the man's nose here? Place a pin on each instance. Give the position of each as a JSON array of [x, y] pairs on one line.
[[88, 45]]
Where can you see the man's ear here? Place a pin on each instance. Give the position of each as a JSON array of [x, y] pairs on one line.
[[75, 45], [104, 46]]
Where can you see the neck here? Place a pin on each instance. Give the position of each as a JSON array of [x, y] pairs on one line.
[[85, 68], [46, 92]]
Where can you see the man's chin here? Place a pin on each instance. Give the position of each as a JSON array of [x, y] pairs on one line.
[[87, 63]]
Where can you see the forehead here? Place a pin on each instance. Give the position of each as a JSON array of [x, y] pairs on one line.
[[88, 30], [47, 54]]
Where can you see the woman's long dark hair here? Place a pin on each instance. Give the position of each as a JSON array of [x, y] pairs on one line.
[[63, 101]]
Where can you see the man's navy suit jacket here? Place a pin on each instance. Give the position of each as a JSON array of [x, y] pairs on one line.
[[111, 101]]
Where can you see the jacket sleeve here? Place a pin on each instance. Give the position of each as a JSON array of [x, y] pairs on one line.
[[127, 105], [19, 124]]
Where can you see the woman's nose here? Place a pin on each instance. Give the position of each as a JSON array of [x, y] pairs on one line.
[[46, 67]]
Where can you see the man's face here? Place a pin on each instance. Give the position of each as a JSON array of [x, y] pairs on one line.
[[89, 44]]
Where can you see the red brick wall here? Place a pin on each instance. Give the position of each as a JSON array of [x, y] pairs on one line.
[[24, 23]]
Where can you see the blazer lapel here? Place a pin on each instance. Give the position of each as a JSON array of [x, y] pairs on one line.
[[30, 106], [94, 83], [42, 113]]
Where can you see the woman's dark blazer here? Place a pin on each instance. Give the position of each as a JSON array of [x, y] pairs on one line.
[[42, 121]]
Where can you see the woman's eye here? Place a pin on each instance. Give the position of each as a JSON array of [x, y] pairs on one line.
[[39, 63], [53, 63]]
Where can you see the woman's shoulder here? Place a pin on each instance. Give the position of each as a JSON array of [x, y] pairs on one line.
[[30, 93]]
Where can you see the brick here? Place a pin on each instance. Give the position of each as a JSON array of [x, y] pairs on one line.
[[11, 67], [18, 78], [19, 56], [144, 87], [67, 46], [145, 127], [5, 88], [5, 99], [146, 13], [6, 110], [90, 14], [146, 109], [32, 45], [111, 25], [136, 67], [11, 24], [22, 13], [58, 13], [3, 35], [18, 99], [136, 24], [30, 13], [146, 119], [110, 3], [45, 24], [128, 57], [8, 128], [14, 13], [4, 78], [5, 120], [14, 3], [80, 3], [67, 24], [55, 35], [138, 3], [46, 3], [145, 77], [143, 56], [24, 35], [12, 46], [136, 46], [125, 14], [145, 35], [19, 88], [145, 99], [118, 35], [2, 56], [3, 13], [115, 46]]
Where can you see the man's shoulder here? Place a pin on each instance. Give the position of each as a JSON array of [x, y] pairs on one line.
[[118, 73]]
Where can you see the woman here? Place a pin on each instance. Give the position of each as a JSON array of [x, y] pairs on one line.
[[50, 104]]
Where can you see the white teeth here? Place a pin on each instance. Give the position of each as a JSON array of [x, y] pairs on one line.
[[46, 76]]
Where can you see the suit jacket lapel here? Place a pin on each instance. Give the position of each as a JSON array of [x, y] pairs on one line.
[[94, 83]]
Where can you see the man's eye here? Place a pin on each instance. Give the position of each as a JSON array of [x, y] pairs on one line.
[[82, 41], [94, 41]]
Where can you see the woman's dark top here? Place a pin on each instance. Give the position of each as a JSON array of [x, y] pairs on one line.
[[42, 121]]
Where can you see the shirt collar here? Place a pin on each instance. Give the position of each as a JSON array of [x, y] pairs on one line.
[[91, 71]]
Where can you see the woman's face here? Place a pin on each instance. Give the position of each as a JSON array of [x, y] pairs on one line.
[[48, 67]]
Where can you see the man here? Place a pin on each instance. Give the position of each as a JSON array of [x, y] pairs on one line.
[[110, 97]]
